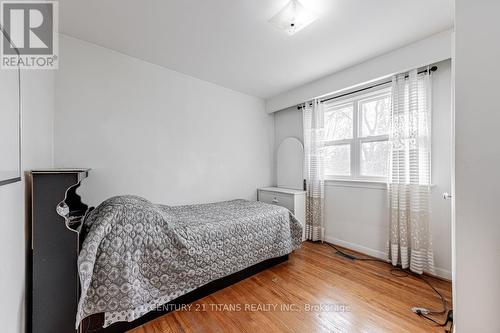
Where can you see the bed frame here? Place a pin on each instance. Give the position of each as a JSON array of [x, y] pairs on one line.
[[93, 324], [73, 210]]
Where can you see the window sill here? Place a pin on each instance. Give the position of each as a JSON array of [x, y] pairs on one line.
[[373, 184]]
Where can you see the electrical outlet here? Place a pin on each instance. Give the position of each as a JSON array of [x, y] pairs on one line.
[[417, 309]]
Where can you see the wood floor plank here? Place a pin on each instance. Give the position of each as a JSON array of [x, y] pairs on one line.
[[356, 296]]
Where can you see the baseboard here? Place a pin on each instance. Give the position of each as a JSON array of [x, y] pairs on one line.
[[357, 248], [443, 273], [439, 272]]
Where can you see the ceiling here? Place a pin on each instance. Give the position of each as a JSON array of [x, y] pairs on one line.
[[230, 42]]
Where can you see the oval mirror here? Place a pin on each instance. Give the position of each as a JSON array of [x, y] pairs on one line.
[[290, 163]]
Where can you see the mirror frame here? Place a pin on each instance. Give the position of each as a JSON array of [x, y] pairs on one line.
[[17, 178]]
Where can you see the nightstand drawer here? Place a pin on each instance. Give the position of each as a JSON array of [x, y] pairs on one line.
[[279, 199]]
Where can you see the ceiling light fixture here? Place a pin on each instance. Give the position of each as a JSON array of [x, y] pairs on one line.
[[293, 17]]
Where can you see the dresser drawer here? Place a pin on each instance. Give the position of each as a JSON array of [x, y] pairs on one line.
[[279, 199]]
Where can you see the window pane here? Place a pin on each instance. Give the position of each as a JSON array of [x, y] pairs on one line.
[[338, 122], [375, 114], [374, 156], [338, 160]]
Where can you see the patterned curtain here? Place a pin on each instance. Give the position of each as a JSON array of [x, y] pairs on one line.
[[314, 169], [409, 173]]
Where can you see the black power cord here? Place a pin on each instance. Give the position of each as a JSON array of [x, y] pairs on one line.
[[449, 318], [406, 273]]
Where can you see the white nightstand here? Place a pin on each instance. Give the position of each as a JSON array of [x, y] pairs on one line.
[[294, 200]]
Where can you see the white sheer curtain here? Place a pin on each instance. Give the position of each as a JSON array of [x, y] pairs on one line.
[[314, 174], [409, 173]]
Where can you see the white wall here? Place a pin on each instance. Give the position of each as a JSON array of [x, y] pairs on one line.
[[357, 215], [38, 110], [153, 132], [435, 48], [477, 165]]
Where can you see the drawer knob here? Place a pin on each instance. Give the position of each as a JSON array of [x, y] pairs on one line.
[[275, 200]]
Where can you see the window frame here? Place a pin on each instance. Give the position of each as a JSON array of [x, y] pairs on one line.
[[357, 140]]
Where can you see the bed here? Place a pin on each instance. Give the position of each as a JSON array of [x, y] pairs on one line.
[[137, 256]]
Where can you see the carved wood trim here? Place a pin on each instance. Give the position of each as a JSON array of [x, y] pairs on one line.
[[72, 209]]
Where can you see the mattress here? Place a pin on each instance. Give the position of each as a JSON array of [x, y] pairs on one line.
[[138, 255]]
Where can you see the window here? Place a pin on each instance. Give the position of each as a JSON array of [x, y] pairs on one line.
[[356, 136]]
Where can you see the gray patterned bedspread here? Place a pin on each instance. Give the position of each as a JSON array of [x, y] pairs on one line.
[[138, 255]]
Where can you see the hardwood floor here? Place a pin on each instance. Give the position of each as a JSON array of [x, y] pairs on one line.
[[361, 296]]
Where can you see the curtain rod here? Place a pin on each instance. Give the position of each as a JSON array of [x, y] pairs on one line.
[[432, 69]]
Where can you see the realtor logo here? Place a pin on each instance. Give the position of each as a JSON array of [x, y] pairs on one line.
[[29, 34]]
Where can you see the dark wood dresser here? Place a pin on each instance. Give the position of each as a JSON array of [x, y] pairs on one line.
[[52, 275]]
